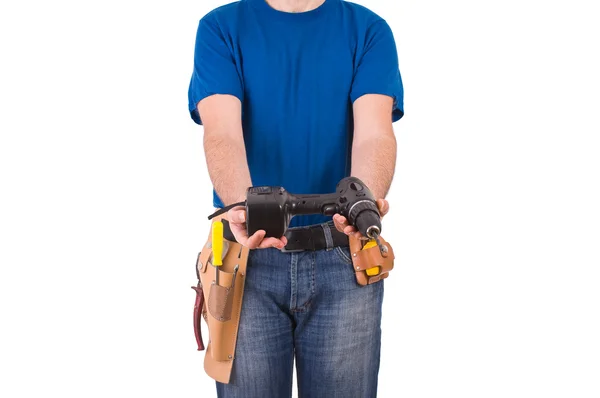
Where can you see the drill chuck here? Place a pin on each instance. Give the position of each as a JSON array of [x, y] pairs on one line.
[[365, 216], [373, 232]]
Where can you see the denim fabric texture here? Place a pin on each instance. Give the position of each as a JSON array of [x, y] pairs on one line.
[[308, 306]]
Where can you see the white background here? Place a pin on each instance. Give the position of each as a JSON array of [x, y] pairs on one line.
[[494, 205]]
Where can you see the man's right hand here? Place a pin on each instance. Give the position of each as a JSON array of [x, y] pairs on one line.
[[237, 223]]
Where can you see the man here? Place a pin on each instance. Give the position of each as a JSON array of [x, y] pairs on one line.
[[299, 94]]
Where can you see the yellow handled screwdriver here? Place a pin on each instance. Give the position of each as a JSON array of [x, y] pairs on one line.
[[217, 247]]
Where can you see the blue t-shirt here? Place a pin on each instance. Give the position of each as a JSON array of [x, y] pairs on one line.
[[297, 76]]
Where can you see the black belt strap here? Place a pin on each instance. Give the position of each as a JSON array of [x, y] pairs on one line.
[[313, 238], [309, 238]]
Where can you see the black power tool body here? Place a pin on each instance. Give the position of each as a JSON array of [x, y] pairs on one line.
[[271, 208]]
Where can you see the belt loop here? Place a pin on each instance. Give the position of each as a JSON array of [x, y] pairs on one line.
[[328, 236]]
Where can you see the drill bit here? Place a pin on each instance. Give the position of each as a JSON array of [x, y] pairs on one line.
[[382, 248], [374, 235]]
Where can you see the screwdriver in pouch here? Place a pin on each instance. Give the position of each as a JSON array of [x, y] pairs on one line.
[[235, 270], [217, 247]]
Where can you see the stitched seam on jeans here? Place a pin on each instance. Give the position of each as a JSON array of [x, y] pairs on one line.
[[328, 236], [313, 271], [306, 305], [293, 280], [342, 254]]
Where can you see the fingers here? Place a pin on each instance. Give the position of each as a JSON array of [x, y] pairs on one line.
[[383, 206], [237, 215], [254, 241], [237, 223], [349, 230], [340, 222], [273, 242], [239, 232], [342, 225], [258, 241]]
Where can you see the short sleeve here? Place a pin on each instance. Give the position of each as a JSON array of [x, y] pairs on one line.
[[215, 70], [377, 71]]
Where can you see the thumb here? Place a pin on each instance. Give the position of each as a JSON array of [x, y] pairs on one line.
[[383, 206], [237, 215]]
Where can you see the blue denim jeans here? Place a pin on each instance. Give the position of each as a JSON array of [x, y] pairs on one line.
[[306, 306]]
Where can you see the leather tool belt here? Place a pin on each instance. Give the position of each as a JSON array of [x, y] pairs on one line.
[[220, 305]]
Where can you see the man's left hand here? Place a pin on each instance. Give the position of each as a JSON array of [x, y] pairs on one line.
[[342, 225]]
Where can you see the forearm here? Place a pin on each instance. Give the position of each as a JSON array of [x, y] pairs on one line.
[[227, 167], [373, 162]]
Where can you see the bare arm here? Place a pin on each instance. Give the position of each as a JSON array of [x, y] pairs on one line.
[[224, 147], [227, 165], [374, 145], [373, 151]]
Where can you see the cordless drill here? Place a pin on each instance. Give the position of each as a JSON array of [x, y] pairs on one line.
[[271, 208]]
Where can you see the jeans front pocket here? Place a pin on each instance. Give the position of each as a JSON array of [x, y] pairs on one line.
[[343, 253]]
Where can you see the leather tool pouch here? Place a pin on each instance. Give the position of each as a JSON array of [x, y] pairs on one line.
[[372, 264], [221, 304]]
